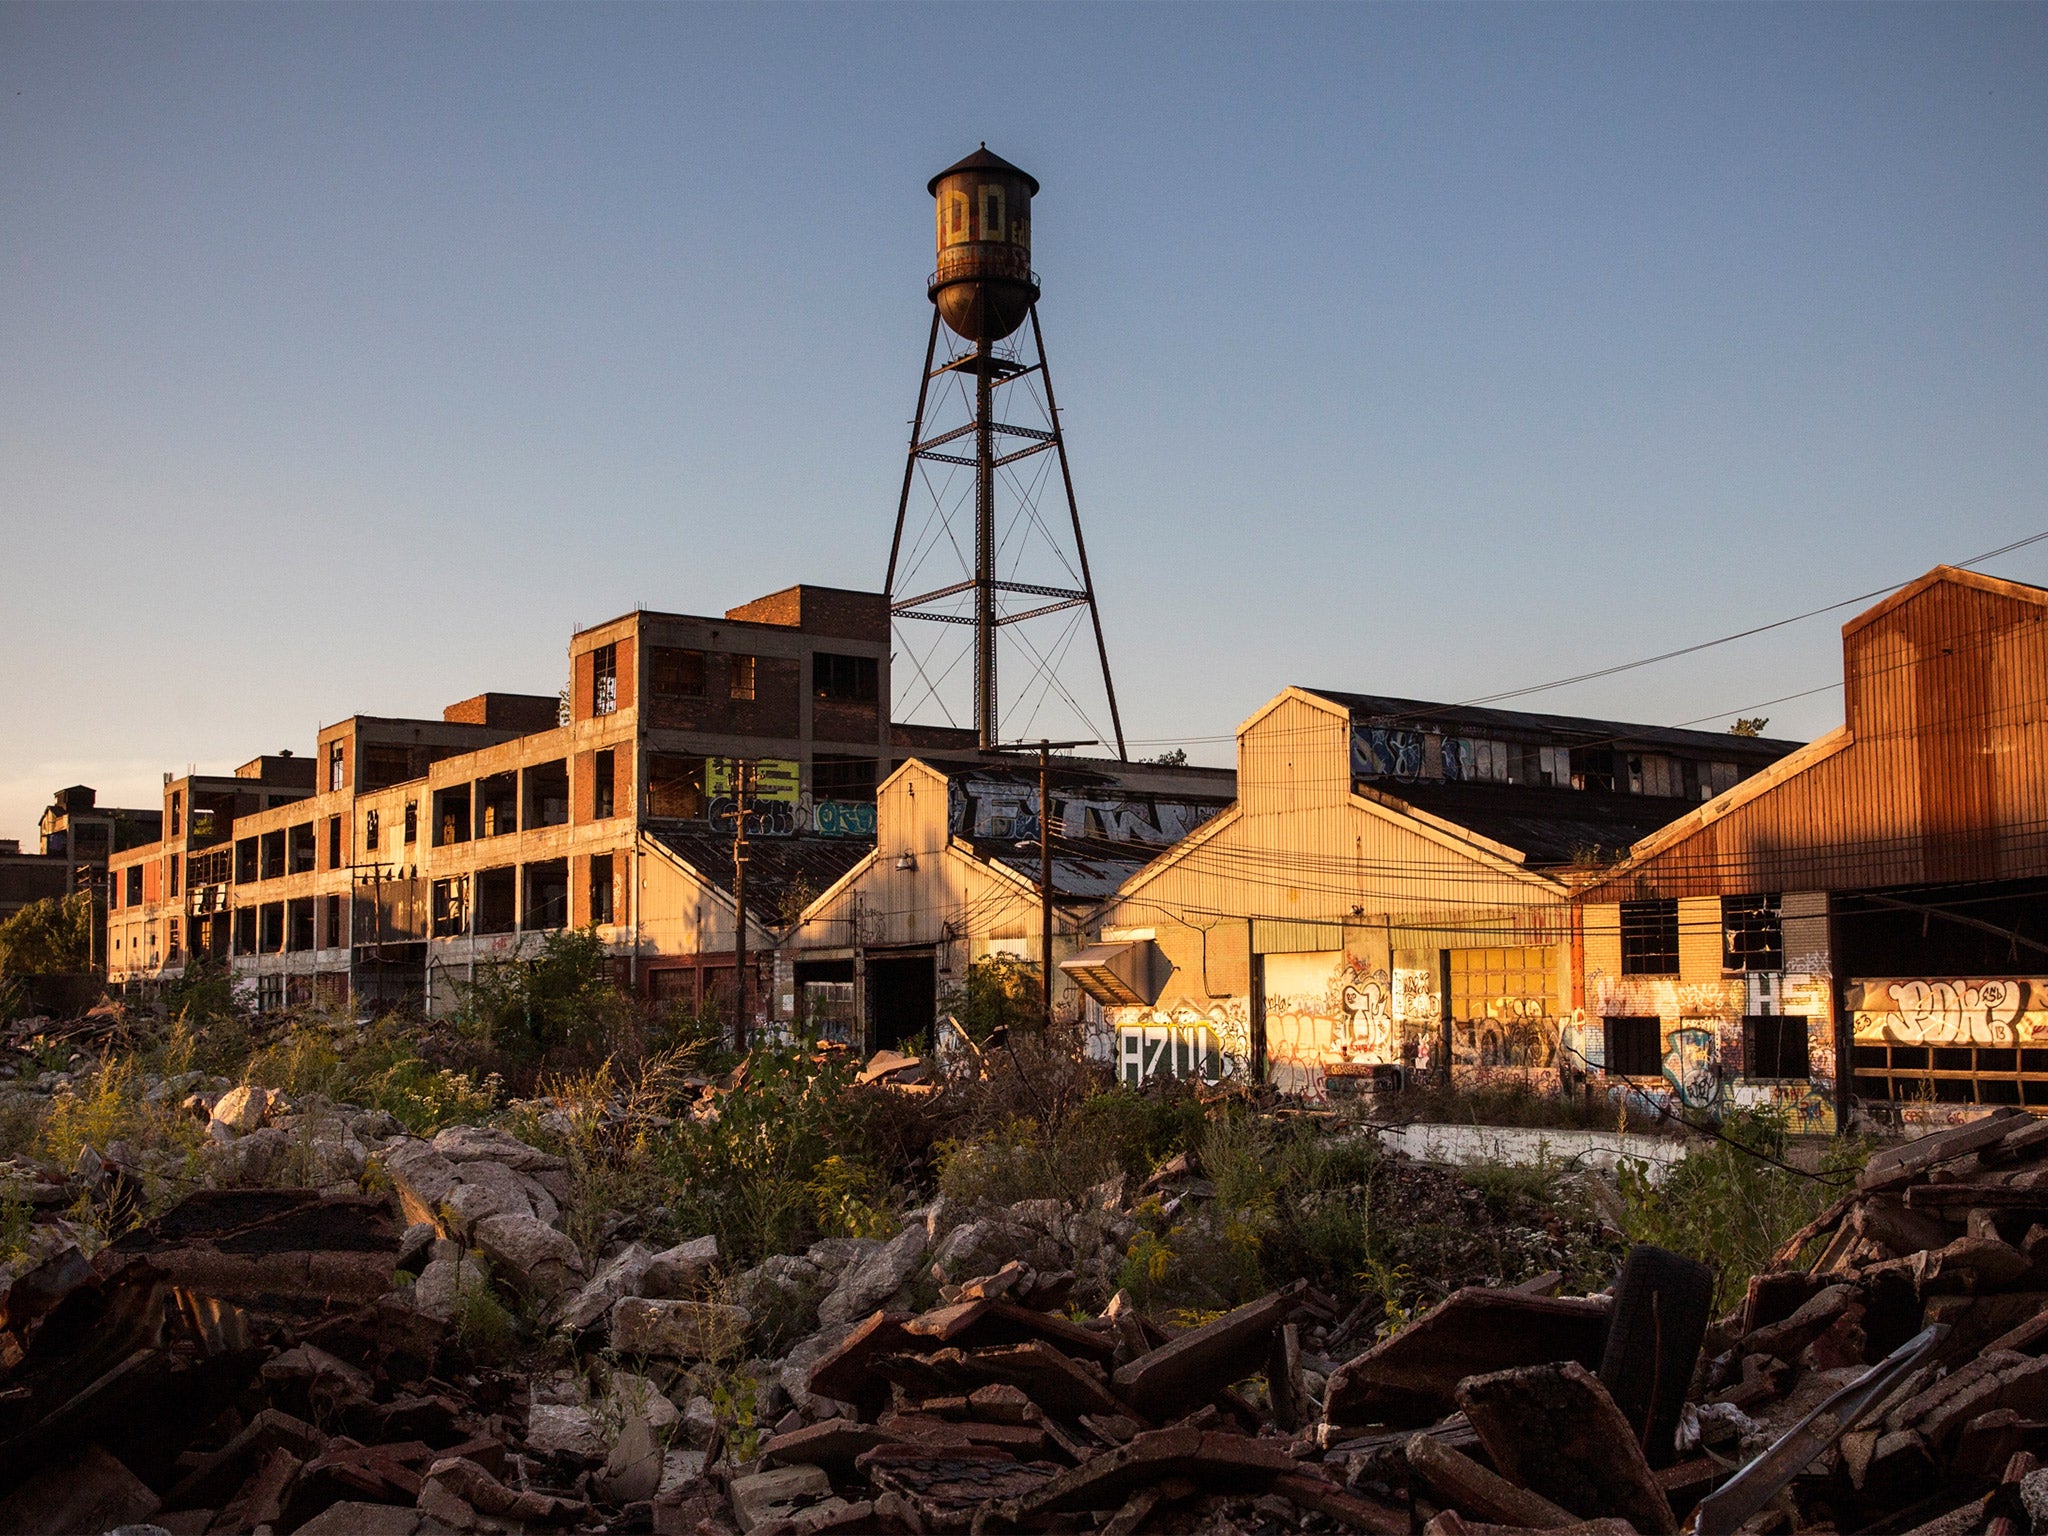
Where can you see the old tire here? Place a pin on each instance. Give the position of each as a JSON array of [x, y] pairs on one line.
[[1661, 1307]]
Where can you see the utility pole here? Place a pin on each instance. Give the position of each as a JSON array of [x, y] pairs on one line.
[[742, 784], [1045, 749]]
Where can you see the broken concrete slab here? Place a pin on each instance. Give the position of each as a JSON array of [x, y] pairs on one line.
[[1194, 1366], [675, 1329], [1554, 1430]]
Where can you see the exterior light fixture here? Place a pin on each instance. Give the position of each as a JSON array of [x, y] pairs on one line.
[[906, 860]]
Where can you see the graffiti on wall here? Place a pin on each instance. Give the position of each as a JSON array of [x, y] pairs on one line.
[[1702, 1068], [1181, 1040], [1000, 808], [1920, 1011]]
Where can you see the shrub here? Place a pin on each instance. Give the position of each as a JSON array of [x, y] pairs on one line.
[[559, 1001], [49, 937], [1729, 1207]]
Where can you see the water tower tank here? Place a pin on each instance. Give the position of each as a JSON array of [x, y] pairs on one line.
[[983, 286]]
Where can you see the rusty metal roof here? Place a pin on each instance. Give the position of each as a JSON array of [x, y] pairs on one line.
[[983, 159]]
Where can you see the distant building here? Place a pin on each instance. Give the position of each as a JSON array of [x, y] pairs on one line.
[[26, 878], [86, 834]]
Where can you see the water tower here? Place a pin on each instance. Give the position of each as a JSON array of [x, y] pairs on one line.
[[964, 454]]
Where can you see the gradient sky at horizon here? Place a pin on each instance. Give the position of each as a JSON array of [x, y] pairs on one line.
[[351, 357]]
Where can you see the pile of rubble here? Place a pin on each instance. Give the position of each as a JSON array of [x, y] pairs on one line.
[[318, 1360]]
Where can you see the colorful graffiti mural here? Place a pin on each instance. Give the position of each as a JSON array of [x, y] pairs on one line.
[[1175, 1041], [1919, 1011], [1003, 808]]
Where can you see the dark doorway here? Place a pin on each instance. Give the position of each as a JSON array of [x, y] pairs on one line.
[[903, 998]]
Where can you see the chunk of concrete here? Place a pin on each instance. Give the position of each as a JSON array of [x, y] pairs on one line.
[[242, 1110], [778, 1493], [675, 1329], [91, 1491], [566, 1430], [532, 1255], [876, 1278], [623, 1274], [679, 1270]]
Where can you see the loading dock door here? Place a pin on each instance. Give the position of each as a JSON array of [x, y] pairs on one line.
[[903, 998]]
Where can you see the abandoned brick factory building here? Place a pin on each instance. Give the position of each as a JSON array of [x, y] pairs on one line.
[[1703, 917]]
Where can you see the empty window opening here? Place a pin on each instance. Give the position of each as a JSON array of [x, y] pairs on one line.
[[1774, 1045], [604, 680], [451, 815], [675, 674], [547, 794], [601, 888], [1752, 934], [272, 923], [245, 930], [246, 866], [1635, 1045], [132, 878], [173, 864], [273, 854], [371, 831], [335, 940], [1649, 938], [172, 949], [842, 778], [547, 895], [299, 923], [675, 786], [604, 784], [742, 674], [177, 812], [1593, 768], [334, 842], [337, 766], [412, 822], [300, 856], [845, 679], [386, 765], [497, 805], [497, 900], [451, 907]]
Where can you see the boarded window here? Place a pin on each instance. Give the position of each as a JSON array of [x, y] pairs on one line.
[[1774, 1045], [845, 679], [674, 673], [1649, 938], [1635, 1045], [1752, 934]]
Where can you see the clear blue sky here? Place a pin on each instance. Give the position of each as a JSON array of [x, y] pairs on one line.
[[351, 357]]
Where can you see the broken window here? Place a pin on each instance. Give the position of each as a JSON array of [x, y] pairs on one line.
[[844, 679], [1650, 774], [301, 855], [173, 870], [497, 805], [601, 888], [604, 680], [603, 785], [1774, 1045], [675, 786], [1635, 1045], [547, 895], [1721, 777], [299, 923], [370, 830], [497, 900], [1649, 938], [334, 938], [842, 778], [245, 861], [742, 674], [451, 907], [132, 878], [172, 949], [451, 815], [1593, 768], [675, 674], [386, 765], [337, 766], [412, 822], [90, 840], [547, 794], [1752, 934], [177, 812], [271, 915], [269, 993], [245, 930]]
